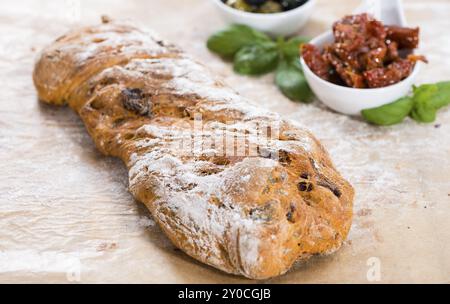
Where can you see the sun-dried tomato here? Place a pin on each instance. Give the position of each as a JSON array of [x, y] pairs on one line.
[[365, 53], [407, 38], [315, 61], [393, 73]]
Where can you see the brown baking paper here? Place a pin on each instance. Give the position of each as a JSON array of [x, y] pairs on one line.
[[66, 215]]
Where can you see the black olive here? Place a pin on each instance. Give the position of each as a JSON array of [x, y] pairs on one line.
[[305, 187], [337, 192], [284, 157], [291, 4], [290, 215], [133, 93], [305, 176], [136, 101], [255, 2]]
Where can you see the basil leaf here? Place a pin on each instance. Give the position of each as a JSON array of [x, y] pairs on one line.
[[229, 41], [428, 99], [292, 83], [291, 48], [444, 91], [389, 114], [256, 59], [424, 110]]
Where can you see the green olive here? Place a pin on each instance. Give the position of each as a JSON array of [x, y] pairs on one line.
[[270, 7]]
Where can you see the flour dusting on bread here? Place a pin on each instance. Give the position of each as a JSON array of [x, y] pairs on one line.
[[232, 185]]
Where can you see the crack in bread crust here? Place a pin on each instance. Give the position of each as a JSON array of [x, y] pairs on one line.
[[253, 215]]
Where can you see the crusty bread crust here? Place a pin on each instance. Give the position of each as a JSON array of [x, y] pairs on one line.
[[252, 213]]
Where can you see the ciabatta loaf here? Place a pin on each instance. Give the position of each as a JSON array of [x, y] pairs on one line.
[[231, 185]]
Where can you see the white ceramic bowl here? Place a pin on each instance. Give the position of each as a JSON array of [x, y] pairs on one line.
[[352, 101], [277, 24]]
